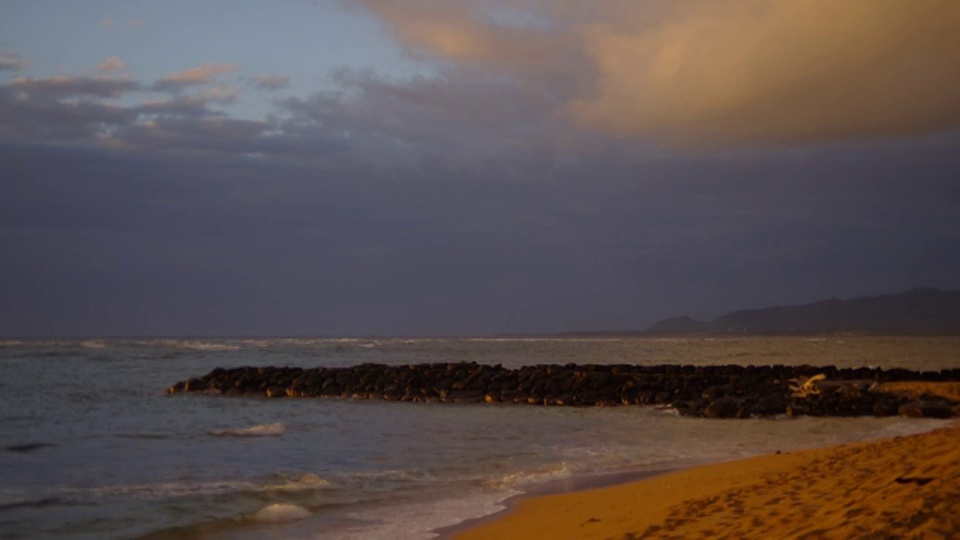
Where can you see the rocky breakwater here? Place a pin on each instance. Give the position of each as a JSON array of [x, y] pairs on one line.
[[728, 391]]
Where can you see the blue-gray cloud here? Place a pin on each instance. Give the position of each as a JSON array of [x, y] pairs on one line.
[[11, 61], [270, 82]]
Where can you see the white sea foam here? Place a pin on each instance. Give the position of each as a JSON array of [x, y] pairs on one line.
[[259, 430], [192, 345], [279, 512], [162, 490], [419, 520], [257, 343], [524, 478], [375, 479], [301, 482]]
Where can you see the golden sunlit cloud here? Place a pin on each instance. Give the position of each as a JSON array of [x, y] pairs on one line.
[[713, 72], [202, 74], [270, 82], [114, 63]]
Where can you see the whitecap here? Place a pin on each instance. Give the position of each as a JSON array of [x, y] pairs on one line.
[[301, 482], [259, 430], [193, 345], [278, 512]]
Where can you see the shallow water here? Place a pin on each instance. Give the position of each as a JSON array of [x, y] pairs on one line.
[[92, 447]]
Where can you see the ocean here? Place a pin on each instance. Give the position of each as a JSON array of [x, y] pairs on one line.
[[91, 446]]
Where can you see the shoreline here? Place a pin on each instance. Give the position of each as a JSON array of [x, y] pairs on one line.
[[896, 486], [573, 484]]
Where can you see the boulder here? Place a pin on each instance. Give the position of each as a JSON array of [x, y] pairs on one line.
[[722, 408], [926, 409]]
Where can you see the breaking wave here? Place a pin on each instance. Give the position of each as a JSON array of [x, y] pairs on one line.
[[279, 512], [259, 430], [525, 478], [301, 482], [195, 345]]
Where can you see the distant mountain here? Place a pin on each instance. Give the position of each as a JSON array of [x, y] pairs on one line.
[[915, 311]]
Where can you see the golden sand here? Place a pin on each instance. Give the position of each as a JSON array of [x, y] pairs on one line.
[[907, 487], [915, 389]]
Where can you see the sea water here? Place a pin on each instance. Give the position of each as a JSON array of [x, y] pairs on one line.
[[92, 447]]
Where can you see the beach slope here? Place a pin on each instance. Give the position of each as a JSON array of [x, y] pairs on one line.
[[907, 487]]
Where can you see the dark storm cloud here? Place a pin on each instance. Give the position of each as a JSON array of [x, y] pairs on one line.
[[74, 110], [39, 116], [207, 134], [454, 202], [266, 246]]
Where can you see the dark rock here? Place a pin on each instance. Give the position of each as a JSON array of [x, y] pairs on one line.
[[885, 406], [797, 410], [276, 391], [711, 391], [771, 405], [926, 409], [722, 408], [683, 407]]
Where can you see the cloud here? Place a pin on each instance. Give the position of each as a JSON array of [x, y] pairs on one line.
[[11, 61], [270, 82], [75, 110], [114, 63], [608, 243], [67, 87], [471, 32], [779, 70], [460, 116], [706, 72], [194, 105], [184, 134], [202, 74], [56, 116]]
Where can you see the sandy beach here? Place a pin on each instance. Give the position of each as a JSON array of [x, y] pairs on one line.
[[906, 487]]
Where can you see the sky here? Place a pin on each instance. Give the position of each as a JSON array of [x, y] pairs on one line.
[[441, 167]]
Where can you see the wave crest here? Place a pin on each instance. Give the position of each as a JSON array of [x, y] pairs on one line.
[[279, 512], [303, 482], [259, 430], [523, 478]]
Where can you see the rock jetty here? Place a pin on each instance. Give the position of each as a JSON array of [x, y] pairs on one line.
[[728, 391]]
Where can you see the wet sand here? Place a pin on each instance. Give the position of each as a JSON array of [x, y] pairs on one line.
[[906, 487]]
